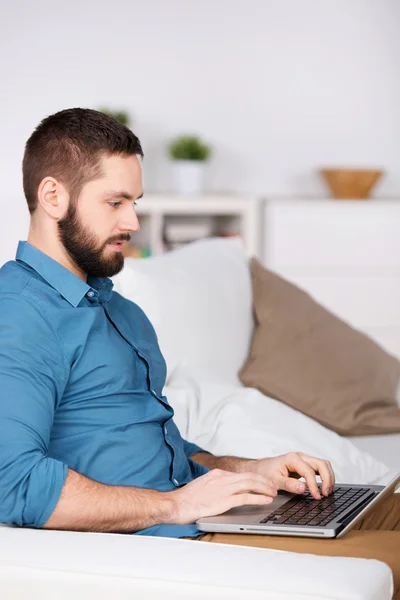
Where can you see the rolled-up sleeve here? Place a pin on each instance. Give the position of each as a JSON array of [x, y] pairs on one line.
[[33, 375], [191, 449]]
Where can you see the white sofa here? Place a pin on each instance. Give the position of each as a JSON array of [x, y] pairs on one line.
[[199, 300]]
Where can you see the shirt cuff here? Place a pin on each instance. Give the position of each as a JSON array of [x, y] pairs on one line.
[[45, 493], [191, 449]]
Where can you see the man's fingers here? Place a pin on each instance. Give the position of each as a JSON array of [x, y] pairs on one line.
[[325, 471], [326, 477], [296, 463], [332, 472], [303, 463], [292, 485]]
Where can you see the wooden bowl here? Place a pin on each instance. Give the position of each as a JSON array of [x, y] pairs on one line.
[[351, 183]]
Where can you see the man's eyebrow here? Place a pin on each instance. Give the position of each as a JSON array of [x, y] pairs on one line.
[[120, 194]]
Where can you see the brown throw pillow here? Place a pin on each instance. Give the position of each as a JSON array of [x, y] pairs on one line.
[[309, 359]]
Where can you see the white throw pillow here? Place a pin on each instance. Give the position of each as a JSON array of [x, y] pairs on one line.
[[227, 420], [199, 300]]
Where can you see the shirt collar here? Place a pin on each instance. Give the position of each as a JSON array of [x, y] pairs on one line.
[[70, 286], [103, 286]]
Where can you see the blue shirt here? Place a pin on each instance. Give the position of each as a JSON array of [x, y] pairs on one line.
[[81, 381]]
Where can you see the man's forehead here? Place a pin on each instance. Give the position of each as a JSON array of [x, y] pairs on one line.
[[118, 168]]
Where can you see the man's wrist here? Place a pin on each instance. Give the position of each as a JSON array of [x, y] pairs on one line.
[[169, 508], [226, 463], [247, 465]]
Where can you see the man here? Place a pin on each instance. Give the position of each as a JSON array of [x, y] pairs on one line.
[[87, 439]]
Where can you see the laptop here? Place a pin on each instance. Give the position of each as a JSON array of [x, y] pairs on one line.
[[301, 515]]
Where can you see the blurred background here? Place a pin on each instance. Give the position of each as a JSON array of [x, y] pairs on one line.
[[277, 89], [239, 105]]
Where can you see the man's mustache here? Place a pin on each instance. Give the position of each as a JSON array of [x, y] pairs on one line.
[[120, 238]]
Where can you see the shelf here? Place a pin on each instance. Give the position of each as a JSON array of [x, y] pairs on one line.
[[229, 213], [207, 204]]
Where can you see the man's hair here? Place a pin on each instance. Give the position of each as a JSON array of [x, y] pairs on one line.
[[68, 146]]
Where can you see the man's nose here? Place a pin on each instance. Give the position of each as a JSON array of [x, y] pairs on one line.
[[130, 223]]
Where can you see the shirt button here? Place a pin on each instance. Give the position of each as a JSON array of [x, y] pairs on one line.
[[175, 481], [165, 430], [90, 294]]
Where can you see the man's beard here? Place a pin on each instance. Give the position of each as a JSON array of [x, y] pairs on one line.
[[83, 248]]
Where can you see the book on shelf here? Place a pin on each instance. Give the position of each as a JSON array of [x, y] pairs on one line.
[[175, 244], [183, 231]]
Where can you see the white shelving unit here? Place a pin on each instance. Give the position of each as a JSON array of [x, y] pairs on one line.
[[345, 253], [229, 214]]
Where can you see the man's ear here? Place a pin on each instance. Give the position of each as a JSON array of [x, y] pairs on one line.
[[53, 197]]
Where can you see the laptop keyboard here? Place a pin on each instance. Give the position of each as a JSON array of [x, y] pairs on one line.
[[305, 510]]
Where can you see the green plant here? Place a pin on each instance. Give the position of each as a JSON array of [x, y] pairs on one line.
[[188, 147], [119, 115]]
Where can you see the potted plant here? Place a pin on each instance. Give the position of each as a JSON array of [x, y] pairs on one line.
[[189, 155]]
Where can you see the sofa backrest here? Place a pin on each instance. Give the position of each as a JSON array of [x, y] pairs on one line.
[[199, 301]]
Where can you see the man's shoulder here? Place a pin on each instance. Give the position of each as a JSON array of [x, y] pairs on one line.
[[13, 278], [19, 294], [26, 328], [27, 287]]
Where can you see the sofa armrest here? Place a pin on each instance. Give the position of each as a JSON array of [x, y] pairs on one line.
[[46, 564]]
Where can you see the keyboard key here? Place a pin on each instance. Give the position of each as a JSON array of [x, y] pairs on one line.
[[314, 522]]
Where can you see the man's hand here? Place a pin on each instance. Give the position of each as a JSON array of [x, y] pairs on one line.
[[283, 472], [218, 491]]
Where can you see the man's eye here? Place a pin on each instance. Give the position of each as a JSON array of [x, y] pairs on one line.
[[114, 204]]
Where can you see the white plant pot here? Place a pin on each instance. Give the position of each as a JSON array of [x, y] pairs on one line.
[[188, 176]]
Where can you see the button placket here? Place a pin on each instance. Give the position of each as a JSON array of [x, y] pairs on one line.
[[154, 385]]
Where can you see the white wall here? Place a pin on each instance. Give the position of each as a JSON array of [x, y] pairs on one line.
[[278, 87]]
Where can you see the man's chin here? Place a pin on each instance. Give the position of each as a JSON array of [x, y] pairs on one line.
[[109, 267], [115, 266], [118, 268]]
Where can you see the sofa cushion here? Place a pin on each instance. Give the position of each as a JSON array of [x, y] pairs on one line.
[[308, 358], [199, 301]]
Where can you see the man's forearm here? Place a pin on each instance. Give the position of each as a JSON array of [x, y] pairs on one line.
[[226, 463], [86, 505]]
